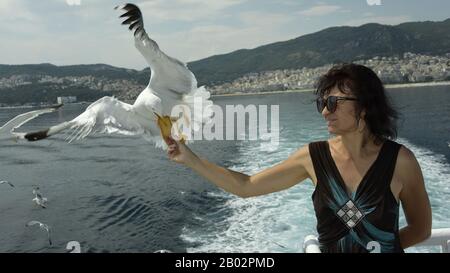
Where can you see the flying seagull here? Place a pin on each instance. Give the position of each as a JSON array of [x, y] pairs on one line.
[[171, 84], [7, 131], [38, 198], [43, 227], [6, 182]]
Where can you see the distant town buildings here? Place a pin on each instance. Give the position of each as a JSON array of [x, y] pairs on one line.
[[408, 68]]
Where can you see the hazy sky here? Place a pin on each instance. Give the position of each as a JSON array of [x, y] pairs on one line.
[[59, 32]]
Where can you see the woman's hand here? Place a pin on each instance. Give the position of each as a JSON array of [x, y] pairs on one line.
[[179, 152]]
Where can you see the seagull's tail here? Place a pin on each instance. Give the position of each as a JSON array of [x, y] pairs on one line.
[[34, 136]]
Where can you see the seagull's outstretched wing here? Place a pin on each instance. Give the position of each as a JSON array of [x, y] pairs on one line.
[[7, 182], [106, 115], [167, 74], [171, 81], [42, 226], [7, 130]]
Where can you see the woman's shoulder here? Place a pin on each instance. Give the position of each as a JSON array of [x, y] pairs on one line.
[[302, 154], [406, 157], [407, 171], [407, 165], [304, 151]]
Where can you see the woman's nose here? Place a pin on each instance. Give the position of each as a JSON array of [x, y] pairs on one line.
[[325, 112]]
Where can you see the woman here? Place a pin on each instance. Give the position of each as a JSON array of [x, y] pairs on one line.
[[360, 175]]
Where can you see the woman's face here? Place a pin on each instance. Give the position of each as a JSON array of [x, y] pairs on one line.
[[343, 120]]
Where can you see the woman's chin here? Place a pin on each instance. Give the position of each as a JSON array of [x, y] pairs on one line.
[[331, 130]]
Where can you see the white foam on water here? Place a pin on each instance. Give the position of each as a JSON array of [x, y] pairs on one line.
[[271, 223]]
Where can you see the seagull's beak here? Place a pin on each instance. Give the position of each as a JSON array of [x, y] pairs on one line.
[[165, 127]]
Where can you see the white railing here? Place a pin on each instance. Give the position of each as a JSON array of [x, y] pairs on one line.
[[311, 244], [439, 237]]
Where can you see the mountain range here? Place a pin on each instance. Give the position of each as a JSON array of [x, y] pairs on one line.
[[24, 83]]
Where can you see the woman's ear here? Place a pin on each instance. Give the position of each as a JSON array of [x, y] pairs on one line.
[[363, 114], [360, 121]]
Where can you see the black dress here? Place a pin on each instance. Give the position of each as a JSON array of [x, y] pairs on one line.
[[364, 219]]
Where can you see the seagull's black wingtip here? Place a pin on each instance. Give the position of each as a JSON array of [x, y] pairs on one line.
[[36, 135], [126, 6]]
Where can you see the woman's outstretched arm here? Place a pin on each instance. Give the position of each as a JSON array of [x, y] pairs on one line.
[[279, 177]]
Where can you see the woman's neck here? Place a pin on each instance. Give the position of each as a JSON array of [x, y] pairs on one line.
[[356, 144]]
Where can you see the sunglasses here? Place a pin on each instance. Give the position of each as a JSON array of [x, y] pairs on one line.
[[330, 103]]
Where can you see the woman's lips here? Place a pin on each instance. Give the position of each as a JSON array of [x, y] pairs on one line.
[[330, 121]]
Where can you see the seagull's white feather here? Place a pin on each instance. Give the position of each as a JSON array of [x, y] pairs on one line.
[[109, 115], [168, 75]]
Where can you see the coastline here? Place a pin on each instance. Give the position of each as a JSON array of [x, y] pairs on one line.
[[419, 84], [387, 86]]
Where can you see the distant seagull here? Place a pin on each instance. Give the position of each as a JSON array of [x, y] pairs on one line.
[[7, 130], [43, 227], [6, 182], [38, 198], [163, 251], [73, 247], [171, 84]]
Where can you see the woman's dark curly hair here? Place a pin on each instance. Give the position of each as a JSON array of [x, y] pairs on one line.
[[364, 84]]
